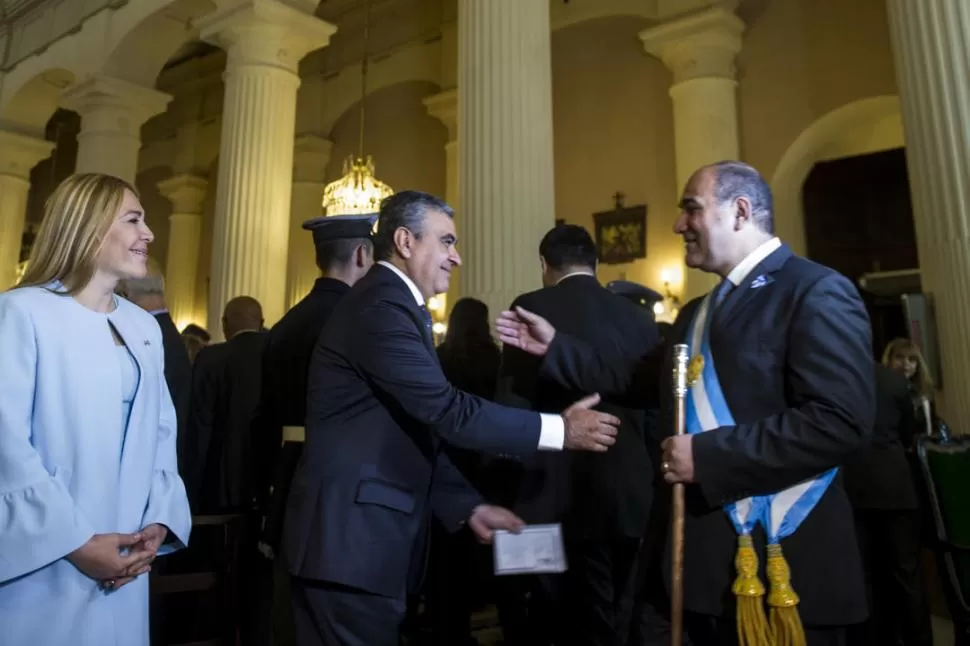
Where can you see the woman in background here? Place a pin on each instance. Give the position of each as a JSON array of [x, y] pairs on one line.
[[470, 360], [904, 357], [89, 487]]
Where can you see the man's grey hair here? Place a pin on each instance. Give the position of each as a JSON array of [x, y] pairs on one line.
[[734, 179], [406, 209], [151, 285]]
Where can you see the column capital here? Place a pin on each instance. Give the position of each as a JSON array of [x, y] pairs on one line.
[[20, 153], [186, 192], [265, 32], [311, 154], [130, 105], [444, 107], [697, 46]]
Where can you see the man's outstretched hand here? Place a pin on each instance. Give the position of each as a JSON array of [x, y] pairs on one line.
[[526, 331], [589, 430]]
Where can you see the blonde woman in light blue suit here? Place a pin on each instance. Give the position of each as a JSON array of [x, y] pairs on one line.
[[89, 488]]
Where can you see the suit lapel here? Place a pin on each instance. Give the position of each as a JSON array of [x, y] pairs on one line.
[[757, 282]]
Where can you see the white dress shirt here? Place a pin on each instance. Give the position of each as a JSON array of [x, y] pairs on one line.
[[743, 268], [552, 433]]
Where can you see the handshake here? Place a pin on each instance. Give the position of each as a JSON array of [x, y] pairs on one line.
[[586, 429]]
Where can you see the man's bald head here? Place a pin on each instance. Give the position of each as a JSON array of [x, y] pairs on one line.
[[241, 314]]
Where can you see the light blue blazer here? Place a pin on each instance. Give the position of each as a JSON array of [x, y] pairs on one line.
[[70, 467]]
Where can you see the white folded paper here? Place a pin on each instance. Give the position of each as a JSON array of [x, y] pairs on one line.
[[536, 549]]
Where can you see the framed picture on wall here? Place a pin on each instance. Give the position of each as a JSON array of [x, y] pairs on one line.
[[621, 234]]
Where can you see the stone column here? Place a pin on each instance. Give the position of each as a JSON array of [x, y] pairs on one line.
[[507, 200], [264, 41], [929, 40], [112, 114], [18, 156], [699, 50], [187, 195], [444, 107], [310, 159]]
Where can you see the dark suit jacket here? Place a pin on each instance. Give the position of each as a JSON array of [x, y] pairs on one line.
[[286, 361], [379, 410], [597, 496], [794, 360], [880, 476], [225, 471], [178, 368]]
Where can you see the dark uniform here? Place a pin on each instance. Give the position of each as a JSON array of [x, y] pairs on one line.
[[285, 365], [287, 361]]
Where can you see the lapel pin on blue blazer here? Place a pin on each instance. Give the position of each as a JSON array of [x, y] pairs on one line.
[[761, 281]]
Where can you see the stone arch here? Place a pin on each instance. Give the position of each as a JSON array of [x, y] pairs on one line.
[[148, 35], [33, 98], [342, 92], [564, 15], [864, 126]]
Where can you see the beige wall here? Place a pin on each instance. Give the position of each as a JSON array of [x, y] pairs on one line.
[[613, 132], [801, 60]]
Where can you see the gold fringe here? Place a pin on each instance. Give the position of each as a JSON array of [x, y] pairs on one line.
[[786, 624], [750, 591]]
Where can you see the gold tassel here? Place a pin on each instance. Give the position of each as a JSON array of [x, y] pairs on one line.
[[786, 624], [749, 590]]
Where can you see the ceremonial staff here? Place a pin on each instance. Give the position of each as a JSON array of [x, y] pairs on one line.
[[677, 524]]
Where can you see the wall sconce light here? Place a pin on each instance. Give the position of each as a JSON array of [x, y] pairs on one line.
[[436, 305], [667, 309]]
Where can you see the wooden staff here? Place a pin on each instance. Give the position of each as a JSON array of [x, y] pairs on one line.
[[677, 516]]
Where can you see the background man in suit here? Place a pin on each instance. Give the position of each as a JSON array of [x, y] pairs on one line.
[[379, 411], [603, 500], [882, 488], [344, 253], [226, 467], [148, 293], [792, 346]]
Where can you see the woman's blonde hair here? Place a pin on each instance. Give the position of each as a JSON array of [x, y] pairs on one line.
[[77, 217], [906, 348]]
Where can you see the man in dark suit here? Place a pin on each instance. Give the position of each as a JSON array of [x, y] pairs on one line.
[[225, 470], [379, 411], [344, 253], [792, 346], [148, 293], [602, 500]]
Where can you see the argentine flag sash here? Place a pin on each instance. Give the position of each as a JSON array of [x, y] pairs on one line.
[[706, 409], [780, 513]]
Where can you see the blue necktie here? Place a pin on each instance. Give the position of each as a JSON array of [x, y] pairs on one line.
[[427, 318], [720, 292]]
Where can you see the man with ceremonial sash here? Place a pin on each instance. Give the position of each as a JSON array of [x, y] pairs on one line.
[[780, 393]]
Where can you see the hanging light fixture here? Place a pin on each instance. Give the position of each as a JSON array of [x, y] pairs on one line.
[[358, 191]]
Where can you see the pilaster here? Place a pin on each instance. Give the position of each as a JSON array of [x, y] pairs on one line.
[[112, 114], [506, 187], [310, 158], [264, 42], [929, 41], [700, 51], [187, 195], [444, 107], [18, 156]]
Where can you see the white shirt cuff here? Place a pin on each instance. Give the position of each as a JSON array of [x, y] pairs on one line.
[[552, 435]]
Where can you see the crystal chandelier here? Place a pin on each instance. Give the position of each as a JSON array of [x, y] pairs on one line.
[[358, 191]]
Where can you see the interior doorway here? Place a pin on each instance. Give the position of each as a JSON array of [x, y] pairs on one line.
[[859, 220]]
